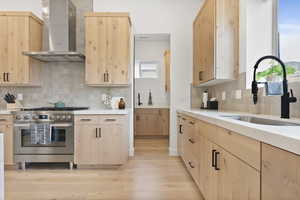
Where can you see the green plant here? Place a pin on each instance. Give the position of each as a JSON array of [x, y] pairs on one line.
[[274, 70]]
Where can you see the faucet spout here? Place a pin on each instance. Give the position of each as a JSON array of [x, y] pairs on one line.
[[286, 99]]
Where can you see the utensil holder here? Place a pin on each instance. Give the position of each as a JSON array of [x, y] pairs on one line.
[[14, 106]]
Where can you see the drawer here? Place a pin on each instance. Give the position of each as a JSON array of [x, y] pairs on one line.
[[192, 164], [243, 147], [112, 119], [6, 119], [87, 119]]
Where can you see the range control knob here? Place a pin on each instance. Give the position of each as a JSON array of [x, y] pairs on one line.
[[52, 117], [57, 117], [26, 117], [69, 117], [35, 117], [63, 117]]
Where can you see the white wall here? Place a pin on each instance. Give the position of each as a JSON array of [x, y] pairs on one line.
[[259, 33], [34, 6], [165, 16], [152, 50]]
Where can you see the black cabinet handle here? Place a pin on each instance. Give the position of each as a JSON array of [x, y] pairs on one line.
[[86, 120], [4, 77], [180, 128], [191, 165], [192, 123], [7, 75], [216, 161], [213, 158], [191, 141], [100, 133], [104, 77], [96, 132], [107, 76]]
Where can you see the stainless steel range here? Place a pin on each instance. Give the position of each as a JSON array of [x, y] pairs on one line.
[[44, 135]]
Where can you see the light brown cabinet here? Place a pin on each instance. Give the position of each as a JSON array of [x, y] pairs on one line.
[[101, 140], [220, 170], [280, 174], [107, 38], [6, 127], [167, 60], [20, 31], [152, 121], [216, 42]]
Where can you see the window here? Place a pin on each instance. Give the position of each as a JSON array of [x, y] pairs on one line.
[[288, 18], [146, 69]]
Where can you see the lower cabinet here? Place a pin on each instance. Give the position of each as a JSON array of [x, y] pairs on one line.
[[6, 127], [219, 173], [280, 174], [152, 121], [101, 140]]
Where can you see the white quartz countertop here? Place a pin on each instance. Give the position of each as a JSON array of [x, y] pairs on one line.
[[87, 112], [102, 112], [153, 107], [284, 137]]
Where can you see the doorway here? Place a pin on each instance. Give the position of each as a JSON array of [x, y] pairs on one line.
[[152, 89]]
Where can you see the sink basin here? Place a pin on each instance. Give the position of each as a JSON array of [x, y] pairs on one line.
[[261, 121]]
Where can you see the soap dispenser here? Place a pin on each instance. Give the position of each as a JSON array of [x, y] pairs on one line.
[[150, 102]]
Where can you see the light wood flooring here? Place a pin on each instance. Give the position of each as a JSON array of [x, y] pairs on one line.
[[150, 175]]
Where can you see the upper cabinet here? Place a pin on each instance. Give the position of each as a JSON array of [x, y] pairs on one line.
[[216, 42], [107, 48], [20, 31], [167, 57]]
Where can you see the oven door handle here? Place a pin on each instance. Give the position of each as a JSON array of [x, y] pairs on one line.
[[22, 125], [67, 125]]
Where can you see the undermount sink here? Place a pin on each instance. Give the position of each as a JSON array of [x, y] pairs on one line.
[[261, 121]]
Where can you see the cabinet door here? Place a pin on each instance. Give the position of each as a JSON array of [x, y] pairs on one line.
[[208, 175], [3, 47], [118, 49], [110, 146], [205, 43], [179, 135], [8, 143], [18, 34], [280, 174], [86, 144], [237, 180], [164, 116], [96, 45], [167, 59]]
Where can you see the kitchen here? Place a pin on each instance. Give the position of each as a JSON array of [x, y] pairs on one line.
[[104, 159]]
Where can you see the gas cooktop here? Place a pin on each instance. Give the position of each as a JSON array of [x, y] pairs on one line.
[[55, 109]]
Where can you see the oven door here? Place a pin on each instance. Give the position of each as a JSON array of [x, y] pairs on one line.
[[61, 143]]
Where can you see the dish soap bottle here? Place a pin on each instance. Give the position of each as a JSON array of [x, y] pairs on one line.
[[121, 104]]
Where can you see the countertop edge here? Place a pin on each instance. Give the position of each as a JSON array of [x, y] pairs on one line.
[[256, 132]]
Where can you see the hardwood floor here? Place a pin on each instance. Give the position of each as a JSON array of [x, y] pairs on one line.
[[150, 175]]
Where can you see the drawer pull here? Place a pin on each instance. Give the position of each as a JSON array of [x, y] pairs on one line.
[[191, 165], [191, 141], [183, 119], [192, 123], [86, 120], [213, 158], [3, 120], [180, 129], [110, 120]]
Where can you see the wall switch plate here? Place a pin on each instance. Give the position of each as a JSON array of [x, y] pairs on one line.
[[238, 94], [223, 96]]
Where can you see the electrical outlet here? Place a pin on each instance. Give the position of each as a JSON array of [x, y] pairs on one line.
[[223, 96], [238, 94]]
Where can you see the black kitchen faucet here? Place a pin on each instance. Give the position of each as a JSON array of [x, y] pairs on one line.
[[286, 99]]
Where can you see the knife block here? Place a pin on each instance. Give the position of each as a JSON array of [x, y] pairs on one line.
[[14, 106]]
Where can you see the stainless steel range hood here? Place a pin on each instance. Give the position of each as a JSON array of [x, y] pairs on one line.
[[60, 32]]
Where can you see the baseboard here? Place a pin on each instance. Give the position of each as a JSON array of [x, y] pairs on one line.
[[131, 151], [173, 152]]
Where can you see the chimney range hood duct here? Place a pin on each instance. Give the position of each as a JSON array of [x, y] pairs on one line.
[[60, 30]]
